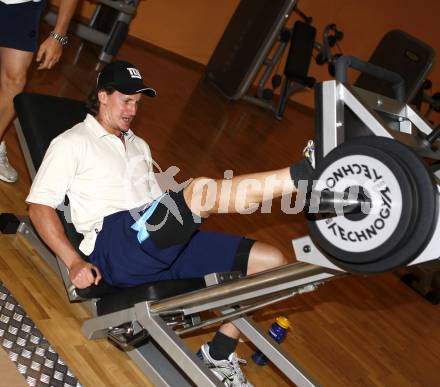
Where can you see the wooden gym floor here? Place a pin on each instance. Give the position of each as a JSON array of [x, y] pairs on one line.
[[354, 331]]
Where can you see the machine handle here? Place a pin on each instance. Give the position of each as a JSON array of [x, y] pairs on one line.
[[336, 203], [346, 61]]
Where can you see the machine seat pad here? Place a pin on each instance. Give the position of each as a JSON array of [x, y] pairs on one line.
[[113, 299]]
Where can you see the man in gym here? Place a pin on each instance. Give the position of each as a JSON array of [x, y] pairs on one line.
[[19, 25], [133, 232]]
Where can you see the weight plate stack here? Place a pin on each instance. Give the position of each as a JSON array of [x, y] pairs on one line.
[[403, 205]]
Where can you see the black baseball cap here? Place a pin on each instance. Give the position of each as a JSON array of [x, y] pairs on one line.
[[125, 78]]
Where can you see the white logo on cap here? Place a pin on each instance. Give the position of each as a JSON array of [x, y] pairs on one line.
[[134, 73]]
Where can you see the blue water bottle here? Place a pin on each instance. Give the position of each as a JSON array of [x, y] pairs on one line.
[[277, 331]]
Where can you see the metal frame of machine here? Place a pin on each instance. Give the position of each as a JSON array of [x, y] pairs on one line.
[[375, 111]]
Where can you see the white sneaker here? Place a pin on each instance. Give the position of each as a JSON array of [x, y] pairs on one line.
[[7, 172], [227, 371]]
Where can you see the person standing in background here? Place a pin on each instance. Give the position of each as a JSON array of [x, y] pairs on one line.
[[19, 25]]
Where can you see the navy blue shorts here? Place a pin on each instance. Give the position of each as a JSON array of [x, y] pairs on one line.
[[124, 261], [19, 25]]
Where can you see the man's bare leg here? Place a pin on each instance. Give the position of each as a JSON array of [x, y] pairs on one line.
[[261, 257], [205, 196]]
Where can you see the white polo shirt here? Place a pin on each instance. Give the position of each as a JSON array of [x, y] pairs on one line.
[[98, 174], [19, 1]]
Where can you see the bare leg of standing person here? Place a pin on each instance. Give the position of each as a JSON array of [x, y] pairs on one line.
[[13, 69]]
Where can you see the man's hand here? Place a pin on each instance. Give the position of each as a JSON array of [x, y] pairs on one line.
[[82, 276], [49, 53]]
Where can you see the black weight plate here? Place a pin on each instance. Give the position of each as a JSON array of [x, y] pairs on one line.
[[369, 254], [359, 242], [426, 192]]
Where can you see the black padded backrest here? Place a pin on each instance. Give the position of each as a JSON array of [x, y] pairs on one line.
[[404, 54], [252, 30], [300, 52], [43, 117]]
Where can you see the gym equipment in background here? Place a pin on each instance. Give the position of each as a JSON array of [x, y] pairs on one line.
[[301, 42], [403, 54], [246, 41], [330, 38], [295, 78], [243, 51], [108, 26]]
